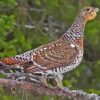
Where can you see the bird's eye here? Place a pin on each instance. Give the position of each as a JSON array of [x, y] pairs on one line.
[[88, 9]]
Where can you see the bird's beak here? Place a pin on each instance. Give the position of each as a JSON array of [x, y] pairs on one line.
[[96, 9]]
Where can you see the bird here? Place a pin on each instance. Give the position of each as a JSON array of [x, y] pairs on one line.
[[57, 57]]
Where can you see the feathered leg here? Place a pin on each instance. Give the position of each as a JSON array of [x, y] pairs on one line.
[[58, 80], [56, 77]]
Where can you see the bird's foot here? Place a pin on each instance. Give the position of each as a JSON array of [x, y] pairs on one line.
[[59, 84]]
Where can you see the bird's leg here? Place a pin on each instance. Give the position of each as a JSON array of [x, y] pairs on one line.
[[57, 78], [44, 79]]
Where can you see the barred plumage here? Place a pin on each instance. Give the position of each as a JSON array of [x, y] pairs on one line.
[[57, 57]]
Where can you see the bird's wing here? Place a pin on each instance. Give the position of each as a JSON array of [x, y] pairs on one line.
[[53, 55], [49, 56]]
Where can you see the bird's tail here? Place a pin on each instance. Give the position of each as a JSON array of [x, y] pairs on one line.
[[8, 63]]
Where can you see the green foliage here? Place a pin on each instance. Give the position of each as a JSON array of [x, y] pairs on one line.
[[6, 27], [67, 83], [8, 3]]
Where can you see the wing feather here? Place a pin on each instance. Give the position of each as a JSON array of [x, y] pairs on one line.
[[55, 54], [49, 56]]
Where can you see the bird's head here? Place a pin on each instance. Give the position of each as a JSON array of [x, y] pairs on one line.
[[89, 13]]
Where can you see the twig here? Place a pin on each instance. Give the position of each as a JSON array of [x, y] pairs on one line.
[[41, 89]]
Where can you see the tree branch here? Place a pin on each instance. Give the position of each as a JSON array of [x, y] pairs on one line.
[[41, 89]]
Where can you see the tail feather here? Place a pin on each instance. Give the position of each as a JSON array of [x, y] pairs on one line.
[[9, 68]]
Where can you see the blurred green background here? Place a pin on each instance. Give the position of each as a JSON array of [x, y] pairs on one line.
[[26, 24]]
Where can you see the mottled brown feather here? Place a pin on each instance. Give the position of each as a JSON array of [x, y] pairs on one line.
[[49, 56], [55, 54]]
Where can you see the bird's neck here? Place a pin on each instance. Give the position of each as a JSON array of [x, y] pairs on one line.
[[76, 31]]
